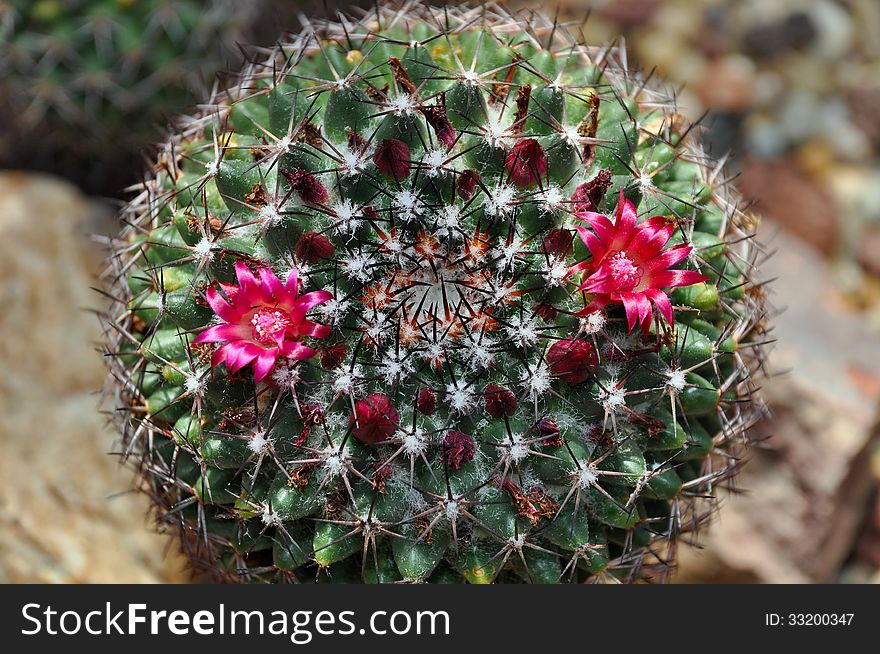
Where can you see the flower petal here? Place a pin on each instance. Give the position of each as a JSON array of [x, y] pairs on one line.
[[638, 309], [248, 284], [673, 278], [650, 237], [264, 363], [296, 350], [594, 245], [271, 284], [313, 329], [220, 306], [239, 354], [661, 301], [291, 286], [667, 258], [308, 301], [224, 332]]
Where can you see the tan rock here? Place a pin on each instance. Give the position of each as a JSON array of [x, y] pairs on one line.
[[65, 513], [805, 490]]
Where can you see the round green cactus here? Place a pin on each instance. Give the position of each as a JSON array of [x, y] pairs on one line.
[[435, 296], [84, 83]]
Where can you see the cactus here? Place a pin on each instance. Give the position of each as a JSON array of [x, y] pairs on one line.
[[85, 83], [435, 296]]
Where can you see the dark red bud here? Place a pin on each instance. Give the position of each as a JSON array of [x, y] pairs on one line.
[[548, 430], [559, 242], [426, 402], [572, 360], [313, 247], [332, 356], [526, 163], [374, 419], [392, 158], [458, 449], [306, 185], [439, 122], [546, 312], [499, 401], [467, 184], [588, 196]]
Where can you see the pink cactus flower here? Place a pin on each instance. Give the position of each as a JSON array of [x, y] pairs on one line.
[[629, 264], [263, 321]]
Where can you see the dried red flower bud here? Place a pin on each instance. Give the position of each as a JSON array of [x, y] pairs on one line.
[[381, 472], [467, 184], [588, 196], [306, 185], [559, 242], [312, 414], [426, 402], [596, 434], [548, 430], [572, 360], [392, 158], [357, 143], [438, 120], [374, 420], [499, 401], [546, 312], [526, 163], [313, 247], [458, 449], [333, 356]]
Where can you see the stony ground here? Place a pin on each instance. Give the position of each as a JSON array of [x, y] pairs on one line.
[[65, 511]]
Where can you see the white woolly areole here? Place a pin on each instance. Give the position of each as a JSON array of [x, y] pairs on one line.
[[414, 444], [586, 477], [402, 105], [203, 250], [614, 399], [270, 215], [334, 309], [194, 384], [346, 213], [270, 517], [345, 380], [538, 382], [451, 509], [594, 322], [675, 379], [518, 449], [406, 205], [434, 161], [523, 331], [395, 366], [555, 271], [552, 198], [334, 464], [500, 201], [358, 266], [258, 442], [460, 399]]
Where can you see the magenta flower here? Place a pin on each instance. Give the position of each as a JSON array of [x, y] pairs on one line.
[[263, 320], [630, 266]]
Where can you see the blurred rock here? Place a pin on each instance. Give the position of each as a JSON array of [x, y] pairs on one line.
[[793, 200], [806, 489], [727, 84], [65, 515]]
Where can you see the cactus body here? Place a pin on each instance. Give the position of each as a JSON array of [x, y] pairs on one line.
[[395, 308]]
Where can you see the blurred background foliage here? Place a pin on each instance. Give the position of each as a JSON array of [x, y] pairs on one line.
[[792, 91]]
